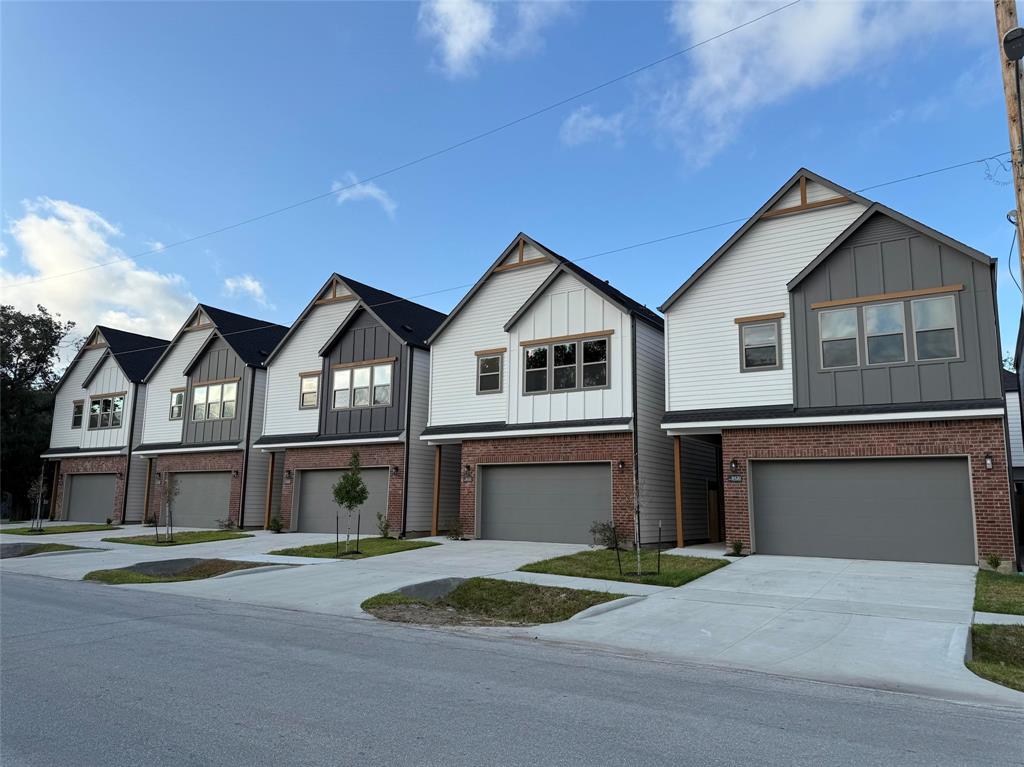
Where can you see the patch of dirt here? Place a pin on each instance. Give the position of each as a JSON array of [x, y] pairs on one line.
[[434, 615]]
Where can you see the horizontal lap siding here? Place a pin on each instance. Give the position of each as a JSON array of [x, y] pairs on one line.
[[259, 462], [420, 483], [157, 426], [1014, 424], [654, 447], [61, 433]]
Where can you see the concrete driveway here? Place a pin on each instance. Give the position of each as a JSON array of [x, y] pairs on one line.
[[887, 625]]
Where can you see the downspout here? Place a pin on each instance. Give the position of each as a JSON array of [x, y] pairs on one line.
[[131, 444], [410, 355], [245, 450], [636, 435]]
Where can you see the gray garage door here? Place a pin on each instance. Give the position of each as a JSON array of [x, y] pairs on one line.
[[317, 508], [92, 498], [556, 503], [202, 499], [907, 509]]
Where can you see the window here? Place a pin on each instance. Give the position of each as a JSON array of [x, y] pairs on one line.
[[839, 338], [77, 411], [105, 412], [566, 366], [935, 328], [214, 401], [177, 404], [885, 334], [368, 386], [759, 342], [488, 374], [309, 391]]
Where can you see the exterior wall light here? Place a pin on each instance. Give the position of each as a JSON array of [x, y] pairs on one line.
[[734, 465], [467, 474], [621, 464], [288, 476], [394, 470], [234, 474], [988, 461]]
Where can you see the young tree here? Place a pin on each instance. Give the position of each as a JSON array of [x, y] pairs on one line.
[[349, 493], [171, 490], [29, 349]]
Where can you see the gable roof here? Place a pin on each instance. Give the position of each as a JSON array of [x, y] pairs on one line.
[[252, 339], [614, 295], [1009, 379], [876, 208], [134, 353], [803, 173]]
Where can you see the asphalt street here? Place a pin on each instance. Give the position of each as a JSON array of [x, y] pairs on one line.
[[99, 675]]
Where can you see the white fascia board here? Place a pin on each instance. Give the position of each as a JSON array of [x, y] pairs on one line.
[[333, 442], [168, 450], [714, 427], [98, 453], [442, 439]]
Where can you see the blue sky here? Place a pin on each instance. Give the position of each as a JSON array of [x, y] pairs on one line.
[[133, 124]]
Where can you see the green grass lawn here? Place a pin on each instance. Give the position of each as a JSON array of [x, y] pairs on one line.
[[60, 529], [998, 654], [205, 569], [601, 563], [368, 547], [43, 548], [999, 593], [181, 539], [492, 601]]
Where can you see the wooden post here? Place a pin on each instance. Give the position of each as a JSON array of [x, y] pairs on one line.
[[437, 490], [145, 495], [270, 492], [678, 455], [53, 491], [1006, 19]]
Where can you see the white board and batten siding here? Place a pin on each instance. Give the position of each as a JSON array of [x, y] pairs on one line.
[[654, 447], [1013, 423], [61, 433], [420, 479], [258, 468], [569, 307], [701, 336], [157, 425], [300, 354], [109, 379], [479, 325]]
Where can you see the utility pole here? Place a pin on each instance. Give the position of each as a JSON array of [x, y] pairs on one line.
[[1006, 22]]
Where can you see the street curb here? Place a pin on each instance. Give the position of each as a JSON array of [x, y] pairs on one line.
[[249, 570], [606, 607]]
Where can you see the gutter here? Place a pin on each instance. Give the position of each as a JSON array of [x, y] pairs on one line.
[[329, 443], [683, 428], [197, 449]]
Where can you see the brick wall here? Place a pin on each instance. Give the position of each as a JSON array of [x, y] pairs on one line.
[[973, 438], [226, 460], [386, 454], [567, 448], [104, 464]]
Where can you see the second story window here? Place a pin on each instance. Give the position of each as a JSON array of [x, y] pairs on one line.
[[536, 367], [565, 366], [77, 411], [214, 401], [935, 335], [839, 334], [759, 346], [885, 334], [177, 404], [309, 391], [362, 386], [488, 373], [106, 411]]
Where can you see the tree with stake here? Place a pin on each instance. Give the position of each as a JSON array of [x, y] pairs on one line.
[[350, 493], [171, 491], [36, 492]]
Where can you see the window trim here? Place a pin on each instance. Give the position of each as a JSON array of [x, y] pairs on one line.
[[500, 356], [80, 405], [112, 396], [856, 338], [170, 408], [956, 328], [867, 351], [369, 365], [744, 323], [549, 344], [206, 400], [319, 385]]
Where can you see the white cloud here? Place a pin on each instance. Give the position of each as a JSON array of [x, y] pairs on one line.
[[55, 236], [246, 285], [350, 190], [804, 47], [466, 31], [585, 125]]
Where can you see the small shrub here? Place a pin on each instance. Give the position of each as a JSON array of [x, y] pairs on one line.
[[383, 526], [455, 529], [737, 547], [225, 524], [276, 525], [109, 521], [604, 534], [993, 561]]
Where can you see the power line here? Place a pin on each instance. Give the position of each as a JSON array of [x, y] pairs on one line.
[[633, 246], [422, 158]]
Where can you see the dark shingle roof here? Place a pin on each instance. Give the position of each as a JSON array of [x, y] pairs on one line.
[[613, 293], [412, 322], [252, 339], [135, 353], [1010, 381]]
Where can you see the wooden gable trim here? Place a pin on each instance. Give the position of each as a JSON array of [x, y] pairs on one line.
[[330, 294], [759, 318], [364, 363], [899, 294], [204, 326], [491, 352], [805, 206], [573, 337], [803, 190], [334, 299], [521, 264]]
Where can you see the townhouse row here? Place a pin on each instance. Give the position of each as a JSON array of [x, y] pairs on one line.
[[827, 383]]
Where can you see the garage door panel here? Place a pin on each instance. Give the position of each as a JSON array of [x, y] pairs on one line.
[[91, 497], [554, 503], [203, 498], [912, 509], [317, 509]]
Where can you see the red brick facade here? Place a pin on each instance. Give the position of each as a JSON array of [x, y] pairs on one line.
[[971, 438], [226, 460], [105, 464], [566, 448], [372, 455]]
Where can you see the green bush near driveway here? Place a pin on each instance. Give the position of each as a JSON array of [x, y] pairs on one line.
[[999, 593], [368, 547], [489, 601], [60, 530], [207, 568], [180, 539], [601, 563], [998, 654]]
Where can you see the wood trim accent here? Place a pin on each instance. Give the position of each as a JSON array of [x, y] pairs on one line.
[[889, 296], [519, 264], [522, 250], [107, 394], [204, 326], [574, 337], [197, 384], [310, 373], [270, 491], [436, 513], [334, 300], [94, 346], [363, 363], [759, 318], [177, 389], [677, 453], [145, 495], [53, 489], [806, 206], [803, 190], [490, 352]]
